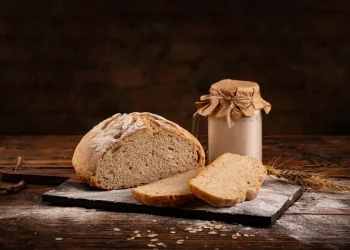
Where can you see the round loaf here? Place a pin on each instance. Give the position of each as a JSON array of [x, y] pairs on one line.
[[128, 150]]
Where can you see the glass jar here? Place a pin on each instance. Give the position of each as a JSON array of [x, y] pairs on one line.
[[241, 102]]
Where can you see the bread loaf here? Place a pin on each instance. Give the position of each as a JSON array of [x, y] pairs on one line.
[[128, 150], [169, 192], [228, 180]]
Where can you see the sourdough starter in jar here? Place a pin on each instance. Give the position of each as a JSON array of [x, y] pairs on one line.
[[243, 138]]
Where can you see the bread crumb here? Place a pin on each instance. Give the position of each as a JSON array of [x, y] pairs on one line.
[[116, 229], [138, 236], [154, 240], [58, 238], [246, 235], [179, 242], [218, 226], [252, 235], [223, 234], [148, 231], [151, 245], [188, 229], [172, 232], [223, 230], [212, 232], [136, 232], [234, 237], [193, 231]]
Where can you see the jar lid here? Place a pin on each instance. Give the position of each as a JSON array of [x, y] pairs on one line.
[[232, 99]]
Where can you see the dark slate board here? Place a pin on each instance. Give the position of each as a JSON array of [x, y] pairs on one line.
[[274, 197]]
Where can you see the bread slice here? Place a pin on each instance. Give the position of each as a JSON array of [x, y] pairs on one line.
[[128, 150], [169, 192], [230, 179]]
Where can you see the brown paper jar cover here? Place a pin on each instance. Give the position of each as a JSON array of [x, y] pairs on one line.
[[232, 99]]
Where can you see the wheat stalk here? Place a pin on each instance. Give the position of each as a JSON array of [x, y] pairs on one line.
[[316, 179]]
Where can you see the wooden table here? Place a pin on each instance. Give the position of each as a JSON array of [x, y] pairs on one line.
[[317, 220]]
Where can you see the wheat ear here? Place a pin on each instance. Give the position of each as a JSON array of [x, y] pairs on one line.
[[314, 179]]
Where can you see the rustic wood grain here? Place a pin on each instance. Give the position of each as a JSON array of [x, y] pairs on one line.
[[317, 220]]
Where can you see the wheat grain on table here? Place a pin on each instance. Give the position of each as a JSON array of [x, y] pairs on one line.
[[316, 220]]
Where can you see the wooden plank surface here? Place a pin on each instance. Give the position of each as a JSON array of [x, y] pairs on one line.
[[317, 220]]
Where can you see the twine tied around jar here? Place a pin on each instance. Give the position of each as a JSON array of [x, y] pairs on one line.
[[232, 99]]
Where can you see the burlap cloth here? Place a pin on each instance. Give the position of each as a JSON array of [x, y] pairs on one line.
[[232, 99]]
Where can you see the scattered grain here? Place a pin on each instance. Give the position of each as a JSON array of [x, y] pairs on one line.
[[188, 229], [212, 232], [161, 244], [246, 235], [138, 236], [116, 229], [136, 232], [154, 240], [223, 234], [223, 230], [152, 235], [151, 245], [252, 234], [148, 231], [172, 232], [58, 238], [218, 226]]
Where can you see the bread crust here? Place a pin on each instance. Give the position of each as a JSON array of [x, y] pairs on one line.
[[247, 194], [87, 155], [163, 200]]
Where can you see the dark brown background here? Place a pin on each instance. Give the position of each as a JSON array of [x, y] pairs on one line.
[[66, 65]]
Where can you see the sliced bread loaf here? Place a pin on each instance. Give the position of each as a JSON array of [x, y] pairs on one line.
[[230, 179], [169, 192], [128, 150]]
